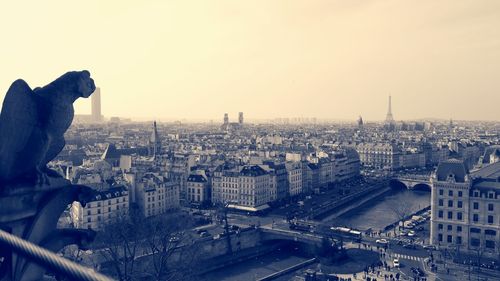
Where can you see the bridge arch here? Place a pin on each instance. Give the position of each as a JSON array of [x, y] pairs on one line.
[[422, 186], [397, 184]]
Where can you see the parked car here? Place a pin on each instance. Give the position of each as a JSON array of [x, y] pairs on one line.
[[410, 246], [205, 234], [200, 231], [396, 263], [382, 241], [234, 227], [417, 271], [411, 233], [430, 247]]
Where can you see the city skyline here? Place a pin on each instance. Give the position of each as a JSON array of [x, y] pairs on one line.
[[329, 60]]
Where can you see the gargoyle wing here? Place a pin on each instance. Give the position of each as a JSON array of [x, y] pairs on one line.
[[56, 145], [18, 118]]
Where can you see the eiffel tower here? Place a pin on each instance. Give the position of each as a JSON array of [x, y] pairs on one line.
[[389, 118]]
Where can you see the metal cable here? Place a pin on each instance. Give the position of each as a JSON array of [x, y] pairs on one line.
[[48, 259]]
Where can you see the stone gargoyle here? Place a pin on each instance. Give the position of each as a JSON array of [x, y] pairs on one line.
[[33, 123]]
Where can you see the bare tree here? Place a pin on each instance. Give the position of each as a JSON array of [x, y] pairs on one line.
[[401, 209], [222, 213], [120, 241], [478, 255], [171, 250]]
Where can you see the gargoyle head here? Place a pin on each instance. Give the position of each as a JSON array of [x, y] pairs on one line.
[[77, 84], [85, 84]]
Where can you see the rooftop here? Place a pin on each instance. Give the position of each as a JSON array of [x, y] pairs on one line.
[[452, 168]]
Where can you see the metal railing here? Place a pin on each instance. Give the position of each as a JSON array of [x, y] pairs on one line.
[[49, 260]]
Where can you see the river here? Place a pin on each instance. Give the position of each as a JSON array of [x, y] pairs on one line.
[[375, 214], [258, 267], [381, 211]]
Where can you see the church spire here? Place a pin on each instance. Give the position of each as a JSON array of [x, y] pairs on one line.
[[154, 148]]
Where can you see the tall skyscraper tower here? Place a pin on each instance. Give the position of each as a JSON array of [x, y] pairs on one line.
[[389, 118], [96, 105], [226, 119], [240, 118], [154, 148]]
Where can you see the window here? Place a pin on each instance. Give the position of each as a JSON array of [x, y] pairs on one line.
[[440, 202], [475, 242], [450, 192], [491, 195], [109, 209], [440, 214], [89, 219], [450, 203], [475, 230], [440, 226], [460, 194], [449, 239], [459, 216], [476, 193], [490, 219], [475, 217], [459, 204], [475, 206], [98, 211], [459, 228], [88, 213], [440, 237], [490, 232], [450, 228], [458, 240], [450, 215], [490, 207], [441, 192], [490, 244]]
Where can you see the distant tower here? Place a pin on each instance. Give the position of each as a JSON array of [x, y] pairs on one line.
[[96, 105], [226, 119], [360, 122], [154, 147], [240, 118], [389, 118]]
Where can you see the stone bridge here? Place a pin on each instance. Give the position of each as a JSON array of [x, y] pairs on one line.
[[269, 234], [414, 181]]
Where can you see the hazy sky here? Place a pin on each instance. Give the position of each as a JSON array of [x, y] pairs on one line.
[[199, 59]]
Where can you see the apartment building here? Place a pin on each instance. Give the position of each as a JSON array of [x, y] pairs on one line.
[[465, 207]]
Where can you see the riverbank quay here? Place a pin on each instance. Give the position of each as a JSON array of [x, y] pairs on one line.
[[325, 210], [390, 227], [288, 270], [356, 202]]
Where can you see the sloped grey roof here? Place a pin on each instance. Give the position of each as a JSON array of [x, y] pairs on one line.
[[452, 167]]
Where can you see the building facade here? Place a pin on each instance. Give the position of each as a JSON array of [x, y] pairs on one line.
[[379, 155], [104, 207], [198, 189], [294, 170], [155, 194], [246, 186], [465, 207]]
